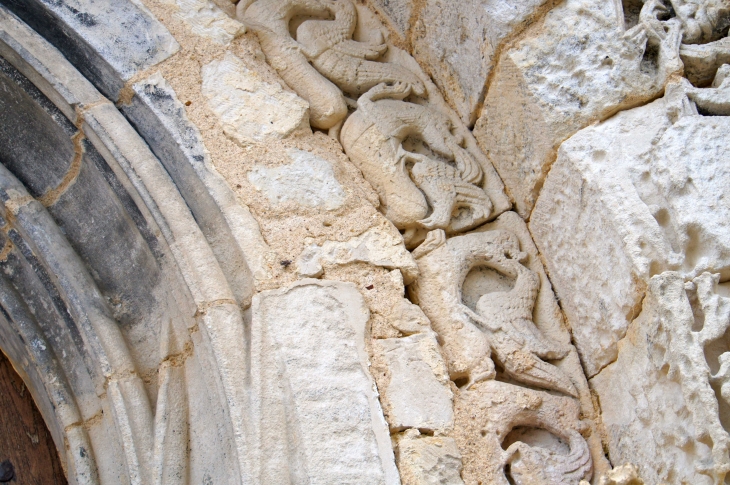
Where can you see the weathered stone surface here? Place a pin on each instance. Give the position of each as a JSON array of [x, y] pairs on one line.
[[250, 109], [534, 432], [663, 399], [629, 198], [160, 118], [377, 246], [206, 19], [107, 52], [307, 180], [458, 43], [574, 67], [417, 393], [311, 386], [30, 54], [427, 460], [626, 474]]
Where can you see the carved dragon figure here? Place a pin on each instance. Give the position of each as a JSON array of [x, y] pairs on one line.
[[502, 325], [373, 138], [701, 26], [349, 64], [335, 57]]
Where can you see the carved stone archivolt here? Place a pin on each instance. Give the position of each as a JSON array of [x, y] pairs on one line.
[[431, 180], [413, 153]]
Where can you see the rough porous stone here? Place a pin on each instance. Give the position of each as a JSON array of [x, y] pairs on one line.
[[427, 460], [417, 393], [459, 41], [574, 67], [634, 196], [206, 19], [307, 180], [668, 417], [376, 246], [250, 109], [311, 384]]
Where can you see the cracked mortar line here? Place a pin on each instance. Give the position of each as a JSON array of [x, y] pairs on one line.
[[69, 178]]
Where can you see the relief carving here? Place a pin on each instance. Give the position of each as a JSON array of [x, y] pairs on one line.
[[502, 324], [525, 437], [411, 152], [270, 19], [430, 178], [408, 182]]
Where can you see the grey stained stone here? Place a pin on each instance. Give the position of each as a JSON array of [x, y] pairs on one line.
[[160, 119], [44, 66], [108, 52], [30, 120]]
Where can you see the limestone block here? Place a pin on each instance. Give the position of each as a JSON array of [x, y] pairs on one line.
[[250, 109], [458, 43], [308, 181], [417, 394], [628, 199], [670, 417], [311, 387], [160, 118], [510, 434], [427, 460], [398, 12], [376, 246], [107, 52], [575, 67], [206, 19]]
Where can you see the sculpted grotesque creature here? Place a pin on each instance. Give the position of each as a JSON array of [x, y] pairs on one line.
[[533, 465], [502, 326], [328, 45], [270, 19], [702, 27], [407, 182], [349, 64]]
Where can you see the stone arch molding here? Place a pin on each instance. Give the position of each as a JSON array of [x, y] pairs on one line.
[[124, 279]]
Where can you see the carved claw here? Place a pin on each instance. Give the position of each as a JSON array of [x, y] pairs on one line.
[[434, 240]]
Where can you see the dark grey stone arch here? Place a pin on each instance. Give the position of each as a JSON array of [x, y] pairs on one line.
[[116, 306]]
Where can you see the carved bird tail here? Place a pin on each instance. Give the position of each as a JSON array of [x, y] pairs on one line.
[[578, 464]]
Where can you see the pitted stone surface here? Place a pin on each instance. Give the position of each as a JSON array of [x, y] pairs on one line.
[[250, 109], [427, 460], [311, 384], [417, 394], [206, 19], [307, 180], [633, 196]]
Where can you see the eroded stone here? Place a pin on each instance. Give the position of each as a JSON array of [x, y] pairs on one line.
[[311, 384], [427, 460], [575, 67], [417, 393], [375, 246], [631, 197], [206, 19], [308, 181], [250, 109], [668, 418]]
